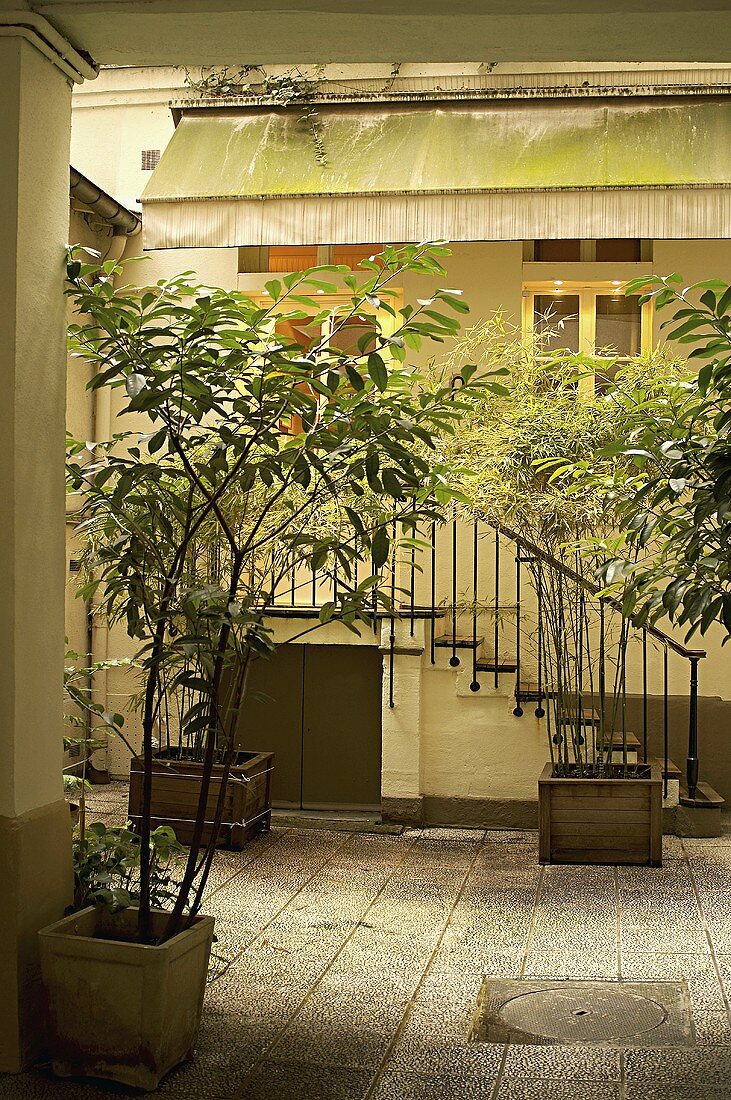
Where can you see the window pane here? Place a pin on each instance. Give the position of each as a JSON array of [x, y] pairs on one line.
[[561, 251], [614, 250], [556, 320], [292, 257], [302, 332], [352, 254], [618, 324]]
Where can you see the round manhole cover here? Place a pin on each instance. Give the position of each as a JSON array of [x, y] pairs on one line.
[[588, 1014]]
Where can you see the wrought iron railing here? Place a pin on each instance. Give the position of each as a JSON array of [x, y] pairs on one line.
[[495, 603]]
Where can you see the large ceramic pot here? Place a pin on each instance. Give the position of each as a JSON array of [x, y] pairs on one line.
[[117, 1009]]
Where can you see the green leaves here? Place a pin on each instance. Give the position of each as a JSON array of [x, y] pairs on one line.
[[275, 440], [380, 548], [377, 371], [675, 505]]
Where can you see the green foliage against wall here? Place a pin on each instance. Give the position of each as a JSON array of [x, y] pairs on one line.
[[521, 438], [249, 438], [668, 477]]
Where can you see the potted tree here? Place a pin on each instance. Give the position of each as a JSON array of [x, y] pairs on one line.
[[552, 411], [190, 524]]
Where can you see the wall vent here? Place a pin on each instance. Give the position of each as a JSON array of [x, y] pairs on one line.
[[150, 159], [74, 566]]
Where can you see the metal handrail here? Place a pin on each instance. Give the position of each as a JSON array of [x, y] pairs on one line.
[[595, 590]]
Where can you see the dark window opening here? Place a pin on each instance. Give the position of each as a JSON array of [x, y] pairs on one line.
[[557, 251]]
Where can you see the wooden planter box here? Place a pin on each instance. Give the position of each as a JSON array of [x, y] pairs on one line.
[[176, 785], [601, 820]]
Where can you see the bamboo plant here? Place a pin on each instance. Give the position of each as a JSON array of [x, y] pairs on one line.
[[524, 438]]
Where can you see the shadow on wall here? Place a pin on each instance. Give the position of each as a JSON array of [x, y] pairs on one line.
[[714, 728]]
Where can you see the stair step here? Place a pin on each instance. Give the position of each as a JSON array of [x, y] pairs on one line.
[[705, 797], [461, 641], [673, 771], [588, 718], [529, 691], [615, 741], [488, 664]]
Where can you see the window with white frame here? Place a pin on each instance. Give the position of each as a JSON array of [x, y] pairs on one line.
[[595, 318]]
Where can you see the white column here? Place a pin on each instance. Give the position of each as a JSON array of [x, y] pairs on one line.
[[401, 794], [35, 851]]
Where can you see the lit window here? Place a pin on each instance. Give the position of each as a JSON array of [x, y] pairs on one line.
[[354, 335], [351, 254], [618, 324], [556, 321], [292, 257], [590, 319]]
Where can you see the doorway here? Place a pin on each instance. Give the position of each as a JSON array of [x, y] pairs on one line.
[[318, 708]]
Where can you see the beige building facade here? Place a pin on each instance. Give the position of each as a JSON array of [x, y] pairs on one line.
[[448, 752]]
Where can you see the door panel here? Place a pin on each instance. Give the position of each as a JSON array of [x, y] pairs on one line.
[[341, 751], [271, 719]]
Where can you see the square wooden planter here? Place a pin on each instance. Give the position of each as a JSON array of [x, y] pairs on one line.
[[601, 820], [176, 783]]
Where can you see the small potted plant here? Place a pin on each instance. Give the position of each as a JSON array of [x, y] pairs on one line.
[[189, 527]]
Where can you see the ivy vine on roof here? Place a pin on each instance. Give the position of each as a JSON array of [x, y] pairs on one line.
[[294, 87]]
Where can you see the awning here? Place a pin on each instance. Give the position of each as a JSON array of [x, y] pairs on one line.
[[460, 171]]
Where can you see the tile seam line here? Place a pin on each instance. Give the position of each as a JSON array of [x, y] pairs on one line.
[[378, 1076], [711, 945], [533, 921], [240, 1093], [618, 924], [297, 892], [622, 1083], [267, 846], [524, 962]]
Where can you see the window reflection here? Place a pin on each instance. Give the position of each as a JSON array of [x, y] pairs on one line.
[[556, 321], [618, 324]]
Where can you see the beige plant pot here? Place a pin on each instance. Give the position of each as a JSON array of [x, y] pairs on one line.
[[121, 1010]]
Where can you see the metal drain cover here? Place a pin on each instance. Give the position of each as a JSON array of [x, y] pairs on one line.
[[633, 1014]]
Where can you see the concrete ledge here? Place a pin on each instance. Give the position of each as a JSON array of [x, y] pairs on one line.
[[485, 813], [402, 811], [514, 813], [691, 821]]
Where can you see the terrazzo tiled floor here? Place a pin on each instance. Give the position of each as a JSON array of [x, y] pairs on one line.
[[347, 968]]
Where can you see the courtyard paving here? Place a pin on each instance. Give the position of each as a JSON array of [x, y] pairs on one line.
[[347, 967]]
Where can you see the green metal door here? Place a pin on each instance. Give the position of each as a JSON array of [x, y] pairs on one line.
[[318, 708], [341, 753]]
